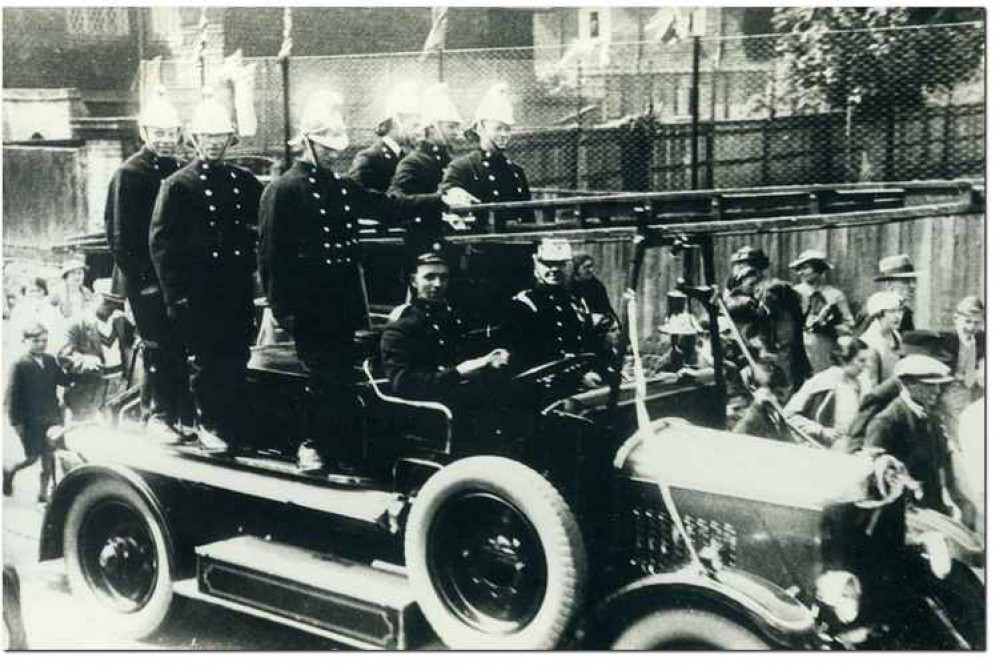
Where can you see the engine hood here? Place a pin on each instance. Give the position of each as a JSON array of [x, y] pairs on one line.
[[685, 456]]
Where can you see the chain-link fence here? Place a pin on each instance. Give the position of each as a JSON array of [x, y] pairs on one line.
[[710, 112]]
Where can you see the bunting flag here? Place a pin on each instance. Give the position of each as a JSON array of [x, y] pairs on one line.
[[669, 25], [438, 28], [286, 43]]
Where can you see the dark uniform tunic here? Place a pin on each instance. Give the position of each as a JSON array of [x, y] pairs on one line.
[[374, 166], [421, 171], [203, 242], [127, 215], [420, 350], [546, 324], [490, 176], [308, 259]]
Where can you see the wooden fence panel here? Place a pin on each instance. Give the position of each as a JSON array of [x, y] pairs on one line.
[[948, 250], [44, 195]]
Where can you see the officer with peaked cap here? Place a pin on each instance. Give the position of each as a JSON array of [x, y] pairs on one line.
[[374, 166], [487, 173], [422, 346], [547, 322], [910, 430], [203, 244], [309, 267], [127, 216]]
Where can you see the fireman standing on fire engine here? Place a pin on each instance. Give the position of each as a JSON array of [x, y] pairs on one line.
[[374, 166], [309, 266], [203, 245], [131, 197], [487, 173]]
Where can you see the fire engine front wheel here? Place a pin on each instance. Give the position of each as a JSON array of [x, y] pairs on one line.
[[494, 556], [117, 559], [687, 629]]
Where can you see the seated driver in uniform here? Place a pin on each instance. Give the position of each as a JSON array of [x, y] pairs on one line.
[[547, 323], [420, 346]]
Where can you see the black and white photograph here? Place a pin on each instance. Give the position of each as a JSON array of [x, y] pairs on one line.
[[576, 327]]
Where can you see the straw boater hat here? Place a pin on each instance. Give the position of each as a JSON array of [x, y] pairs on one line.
[[896, 267], [811, 256], [923, 369]]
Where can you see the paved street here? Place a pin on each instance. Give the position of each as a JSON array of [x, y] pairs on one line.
[[54, 622]]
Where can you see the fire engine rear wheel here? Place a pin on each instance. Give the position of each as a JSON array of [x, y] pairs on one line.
[[494, 556], [117, 559], [687, 629]]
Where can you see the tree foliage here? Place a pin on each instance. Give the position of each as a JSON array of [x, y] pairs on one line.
[[876, 60]]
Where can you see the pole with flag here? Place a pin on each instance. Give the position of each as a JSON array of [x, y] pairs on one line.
[[202, 44], [434, 43], [284, 56]]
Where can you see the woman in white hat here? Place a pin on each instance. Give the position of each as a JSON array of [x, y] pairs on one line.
[[885, 311], [72, 297], [827, 313]]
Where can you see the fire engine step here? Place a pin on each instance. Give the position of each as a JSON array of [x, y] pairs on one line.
[[349, 601]]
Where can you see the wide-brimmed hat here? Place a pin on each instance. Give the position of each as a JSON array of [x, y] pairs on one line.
[[971, 307], [896, 267], [921, 342], [811, 256], [923, 369], [751, 256], [71, 265]]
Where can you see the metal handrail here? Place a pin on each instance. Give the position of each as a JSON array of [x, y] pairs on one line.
[[416, 404]]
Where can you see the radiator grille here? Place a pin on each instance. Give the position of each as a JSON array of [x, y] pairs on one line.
[[657, 546]]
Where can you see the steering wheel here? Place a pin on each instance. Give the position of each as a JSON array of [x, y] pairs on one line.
[[557, 373]]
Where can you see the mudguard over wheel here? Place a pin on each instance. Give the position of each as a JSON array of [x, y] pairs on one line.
[[687, 629], [494, 556], [118, 559]]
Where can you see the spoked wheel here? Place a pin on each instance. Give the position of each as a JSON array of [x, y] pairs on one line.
[[495, 556], [487, 562], [117, 559]]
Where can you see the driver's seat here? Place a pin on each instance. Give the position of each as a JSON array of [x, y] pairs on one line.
[[420, 423]]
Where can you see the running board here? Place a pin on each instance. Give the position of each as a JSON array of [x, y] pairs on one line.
[[345, 601]]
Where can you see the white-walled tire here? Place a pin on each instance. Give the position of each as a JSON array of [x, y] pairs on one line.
[[118, 559], [495, 556], [687, 629]]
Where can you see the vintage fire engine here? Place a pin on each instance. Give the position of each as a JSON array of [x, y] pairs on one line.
[[619, 517]]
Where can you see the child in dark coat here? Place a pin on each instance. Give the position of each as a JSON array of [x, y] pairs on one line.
[[33, 406]]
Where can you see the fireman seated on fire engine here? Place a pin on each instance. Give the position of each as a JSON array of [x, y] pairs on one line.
[[547, 323], [421, 346]]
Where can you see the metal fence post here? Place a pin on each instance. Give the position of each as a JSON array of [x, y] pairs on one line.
[[695, 99]]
